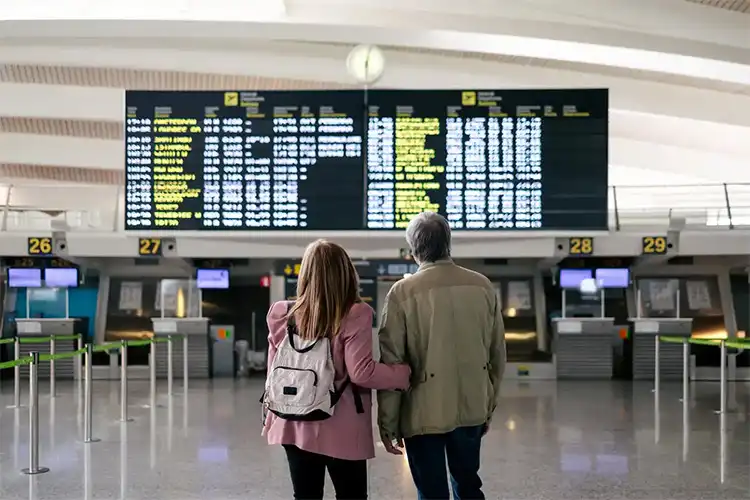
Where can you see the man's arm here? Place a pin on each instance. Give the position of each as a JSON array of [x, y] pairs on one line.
[[497, 352], [392, 337]]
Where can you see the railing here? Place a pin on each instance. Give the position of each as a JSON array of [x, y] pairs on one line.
[[101, 208]]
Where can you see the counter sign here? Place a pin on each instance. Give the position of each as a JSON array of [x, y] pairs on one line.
[[149, 247], [41, 246], [581, 245], [654, 245]]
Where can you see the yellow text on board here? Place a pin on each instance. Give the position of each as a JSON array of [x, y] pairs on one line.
[[40, 245], [581, 245]]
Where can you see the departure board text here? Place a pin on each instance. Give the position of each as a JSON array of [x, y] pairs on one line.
[[244, 160]]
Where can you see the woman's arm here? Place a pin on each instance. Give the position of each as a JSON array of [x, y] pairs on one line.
[[362, 368]]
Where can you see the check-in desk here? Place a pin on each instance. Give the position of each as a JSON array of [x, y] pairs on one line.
[[195, 340], [583, 348], [44, 328], [645, 331]]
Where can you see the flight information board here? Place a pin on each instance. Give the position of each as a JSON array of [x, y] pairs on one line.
[[244, 160], [512, 159], [347, 160]]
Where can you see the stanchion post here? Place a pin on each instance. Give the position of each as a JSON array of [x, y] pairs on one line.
[[152, 372], [52, 376], [79, 359], [185, 362], [17, 374], [124, 382], [88, 397], [170, 374], [685, 369], [657, 365], [723, 378], [34, 418]]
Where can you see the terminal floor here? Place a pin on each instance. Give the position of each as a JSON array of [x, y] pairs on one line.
[[550, 440]]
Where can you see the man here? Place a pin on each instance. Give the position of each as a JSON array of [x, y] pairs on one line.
[[445, 322]]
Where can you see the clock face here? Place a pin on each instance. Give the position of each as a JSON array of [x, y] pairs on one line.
[[366, 63]]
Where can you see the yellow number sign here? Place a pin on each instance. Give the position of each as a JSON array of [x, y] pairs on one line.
[[654, 245], [40, 246], [581, 246], [149, 246]]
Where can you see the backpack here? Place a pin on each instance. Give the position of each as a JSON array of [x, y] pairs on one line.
[[300, 381]]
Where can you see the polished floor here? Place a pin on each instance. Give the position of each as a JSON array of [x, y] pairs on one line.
[[551, 440]]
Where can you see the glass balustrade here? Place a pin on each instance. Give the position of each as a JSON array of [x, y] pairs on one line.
[[100, 208]]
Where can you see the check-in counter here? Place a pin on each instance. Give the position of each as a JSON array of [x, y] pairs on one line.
[[44, 328], [645, 331], [190, 334], [583, 348]]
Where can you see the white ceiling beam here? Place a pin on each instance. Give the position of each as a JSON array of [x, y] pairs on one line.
[[338, 27], [402, 70]]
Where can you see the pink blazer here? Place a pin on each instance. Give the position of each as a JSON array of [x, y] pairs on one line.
[[347, 434]]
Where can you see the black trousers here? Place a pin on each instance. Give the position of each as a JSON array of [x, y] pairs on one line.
[[308, 471]]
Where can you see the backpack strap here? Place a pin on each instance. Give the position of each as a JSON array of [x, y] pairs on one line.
[[291, 330], [357, 396]]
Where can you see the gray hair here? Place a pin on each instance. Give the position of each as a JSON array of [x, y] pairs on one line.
[[429, 237]]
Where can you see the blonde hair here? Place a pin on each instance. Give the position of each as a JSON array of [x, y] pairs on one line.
[[327, 287]]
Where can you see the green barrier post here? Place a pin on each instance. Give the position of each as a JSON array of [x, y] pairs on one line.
[[152, 372], [34, 418], [723, 390]]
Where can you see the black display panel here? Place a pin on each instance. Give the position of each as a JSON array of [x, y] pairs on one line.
[[244, 160], [511, 159], [346, 160]]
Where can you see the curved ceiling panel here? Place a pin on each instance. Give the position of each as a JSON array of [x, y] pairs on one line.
[[678, 71]]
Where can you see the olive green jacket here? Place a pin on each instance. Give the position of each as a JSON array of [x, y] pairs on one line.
[[446, 322]]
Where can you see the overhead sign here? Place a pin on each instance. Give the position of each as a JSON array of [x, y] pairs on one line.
[[654, 245], [365, 268], [39, 246], [149, 247], [581, 245]]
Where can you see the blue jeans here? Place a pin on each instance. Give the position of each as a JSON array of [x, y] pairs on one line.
[[427, 454]]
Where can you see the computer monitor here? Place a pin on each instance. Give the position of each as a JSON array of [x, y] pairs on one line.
[[213, 278], [572, 278], [613, 277], [61, 277], [24, 277]]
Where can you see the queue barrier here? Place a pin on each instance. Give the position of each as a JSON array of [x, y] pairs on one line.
[[34, 358], [722, 344]]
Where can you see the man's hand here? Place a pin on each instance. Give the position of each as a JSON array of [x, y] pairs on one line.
[[390, 447]]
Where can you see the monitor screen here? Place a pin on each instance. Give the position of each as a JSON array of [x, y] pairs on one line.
[[24, 278], [272, 160], [61, 277], [213, 278], [613, 278], [572, 278]]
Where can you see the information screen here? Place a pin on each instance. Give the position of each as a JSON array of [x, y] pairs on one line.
[[512, 159], [348, 160], [244, 160]]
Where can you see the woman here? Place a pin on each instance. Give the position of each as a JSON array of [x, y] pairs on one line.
[[328, 305]]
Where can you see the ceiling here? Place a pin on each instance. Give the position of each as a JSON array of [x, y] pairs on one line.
[[678, 73], [733, 5]]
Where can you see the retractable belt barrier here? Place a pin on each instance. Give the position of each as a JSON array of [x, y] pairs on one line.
[[722, 344], [34, 358]]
